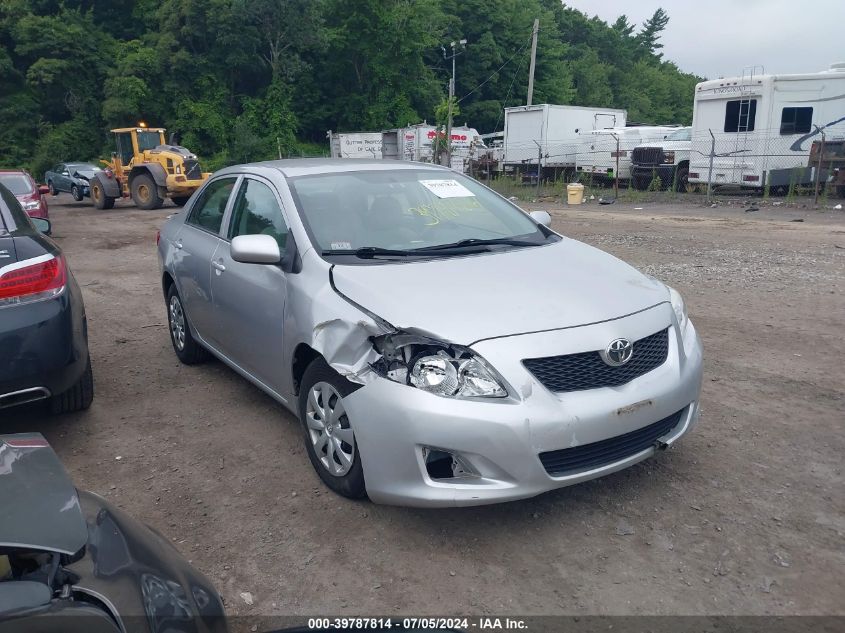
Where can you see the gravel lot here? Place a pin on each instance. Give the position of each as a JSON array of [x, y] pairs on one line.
[[745, 516]]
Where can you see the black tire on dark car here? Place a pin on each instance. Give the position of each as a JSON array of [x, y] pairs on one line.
[[187, 349], [53, 191], [350, 484], [76, 192], [78, 397]]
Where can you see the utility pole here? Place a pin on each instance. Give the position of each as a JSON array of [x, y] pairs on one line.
[[454, 54], [533, 60]]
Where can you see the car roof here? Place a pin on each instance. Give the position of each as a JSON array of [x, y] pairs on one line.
[[14, 171], [310, 166]]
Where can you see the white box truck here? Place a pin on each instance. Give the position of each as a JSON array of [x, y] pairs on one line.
[[553, 131], [763, 126], [355, 144], [601, 152], [416, 142]]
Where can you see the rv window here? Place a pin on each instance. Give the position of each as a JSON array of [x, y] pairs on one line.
[[740, 115], [796, 120]]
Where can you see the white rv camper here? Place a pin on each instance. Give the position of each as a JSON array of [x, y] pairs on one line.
[[553, 131], [355, 144], [763, 125], [598, 149]]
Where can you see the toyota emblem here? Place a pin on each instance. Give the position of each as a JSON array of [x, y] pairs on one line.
[[618, 352]]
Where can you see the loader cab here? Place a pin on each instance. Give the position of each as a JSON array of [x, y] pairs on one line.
[[131, 142]]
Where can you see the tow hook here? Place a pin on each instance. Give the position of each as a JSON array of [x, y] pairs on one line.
[[660, 446]]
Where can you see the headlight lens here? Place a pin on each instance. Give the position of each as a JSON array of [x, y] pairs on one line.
[[679, 307], [444, 375], [669, 157]]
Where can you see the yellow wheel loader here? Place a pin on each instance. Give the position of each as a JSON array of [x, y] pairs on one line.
[[146, 169]]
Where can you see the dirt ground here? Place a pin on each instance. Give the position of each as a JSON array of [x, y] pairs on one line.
[[746, 515]]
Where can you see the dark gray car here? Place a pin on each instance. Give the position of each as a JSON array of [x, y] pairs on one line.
[[71, 177], [70, 561]]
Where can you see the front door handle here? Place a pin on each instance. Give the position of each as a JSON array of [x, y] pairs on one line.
[[220, 267], [178, 243]]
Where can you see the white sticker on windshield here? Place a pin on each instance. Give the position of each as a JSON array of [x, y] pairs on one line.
[[341, 246], [447, 189]]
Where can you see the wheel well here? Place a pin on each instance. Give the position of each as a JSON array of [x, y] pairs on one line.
[[683, 163], [166, 282], [303, 355]]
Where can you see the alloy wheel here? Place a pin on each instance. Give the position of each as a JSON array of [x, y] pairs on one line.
[[329, 429], [177, 323]]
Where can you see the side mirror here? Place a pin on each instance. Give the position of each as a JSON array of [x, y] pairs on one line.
[[541, 217], [43, 190], [255, 249], [65, 173], [43, 225]]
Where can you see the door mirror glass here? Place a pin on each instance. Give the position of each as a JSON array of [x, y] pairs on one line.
[[65, 173], [255, 249], [43, 225], [541, 217]]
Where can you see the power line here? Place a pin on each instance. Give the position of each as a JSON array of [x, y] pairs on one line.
[[508, 96], [495, 72]]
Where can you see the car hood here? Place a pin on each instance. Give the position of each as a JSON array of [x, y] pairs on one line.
[[40, 507], [470, 298], [669, 145]]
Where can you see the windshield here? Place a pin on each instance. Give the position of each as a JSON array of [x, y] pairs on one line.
[[148, 140], [404, 209], [684, 134], [86, 169], [18, 184]]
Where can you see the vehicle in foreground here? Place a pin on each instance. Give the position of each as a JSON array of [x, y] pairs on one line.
[[43, 329], [663, 163], [74, 178], [70, 561], [28, 193], [147, 170], [440, 346]]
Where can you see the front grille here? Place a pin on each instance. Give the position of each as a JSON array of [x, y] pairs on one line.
[[587, 370], [192, 170], [647, 156], [596, 454]]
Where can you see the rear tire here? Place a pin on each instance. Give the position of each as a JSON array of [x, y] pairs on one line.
[[98, 195], [76, 192], [78, 397], [180, 201], [53, 191], [187, 349], [145, 192], [326, 426]]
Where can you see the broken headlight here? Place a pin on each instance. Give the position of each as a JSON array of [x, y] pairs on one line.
[[441, 369]]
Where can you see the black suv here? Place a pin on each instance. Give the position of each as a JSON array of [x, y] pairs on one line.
[[43, 330]]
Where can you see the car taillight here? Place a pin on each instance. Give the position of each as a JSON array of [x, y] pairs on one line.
[[33, 279]]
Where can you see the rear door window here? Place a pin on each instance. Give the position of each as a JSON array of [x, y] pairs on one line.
[[209, 209]]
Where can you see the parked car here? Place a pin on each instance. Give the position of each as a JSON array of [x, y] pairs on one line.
[[439, 345], [43, 329], [28, 193], [71, 177], [70, 561]]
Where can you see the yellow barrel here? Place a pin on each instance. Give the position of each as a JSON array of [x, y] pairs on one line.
[[575, 193]]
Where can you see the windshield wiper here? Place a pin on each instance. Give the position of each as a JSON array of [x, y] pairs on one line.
[[476, 242], [370, 252]]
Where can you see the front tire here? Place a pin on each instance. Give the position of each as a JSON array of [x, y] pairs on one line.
[[78, 397], [186, 347], [682, 179], [76, 192], [98, 195], [329, 437], [145, 193]]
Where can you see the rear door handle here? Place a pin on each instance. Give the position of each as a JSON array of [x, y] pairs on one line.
[[220, 267], [178, 243]]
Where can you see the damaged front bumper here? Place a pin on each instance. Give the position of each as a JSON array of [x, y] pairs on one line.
[[492, 447]]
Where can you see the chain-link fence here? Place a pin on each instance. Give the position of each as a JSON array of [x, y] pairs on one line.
[[760, 162]]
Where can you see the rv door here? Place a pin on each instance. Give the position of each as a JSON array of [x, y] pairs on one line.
[[603, 120]]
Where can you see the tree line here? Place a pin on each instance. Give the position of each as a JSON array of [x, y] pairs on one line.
[[245, 80]]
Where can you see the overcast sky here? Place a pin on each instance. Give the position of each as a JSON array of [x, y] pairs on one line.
[[718, 38]]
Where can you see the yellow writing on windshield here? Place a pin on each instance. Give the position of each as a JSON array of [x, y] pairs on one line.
[[445, 209]]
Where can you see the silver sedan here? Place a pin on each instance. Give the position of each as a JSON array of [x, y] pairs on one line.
[[439, 346]]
